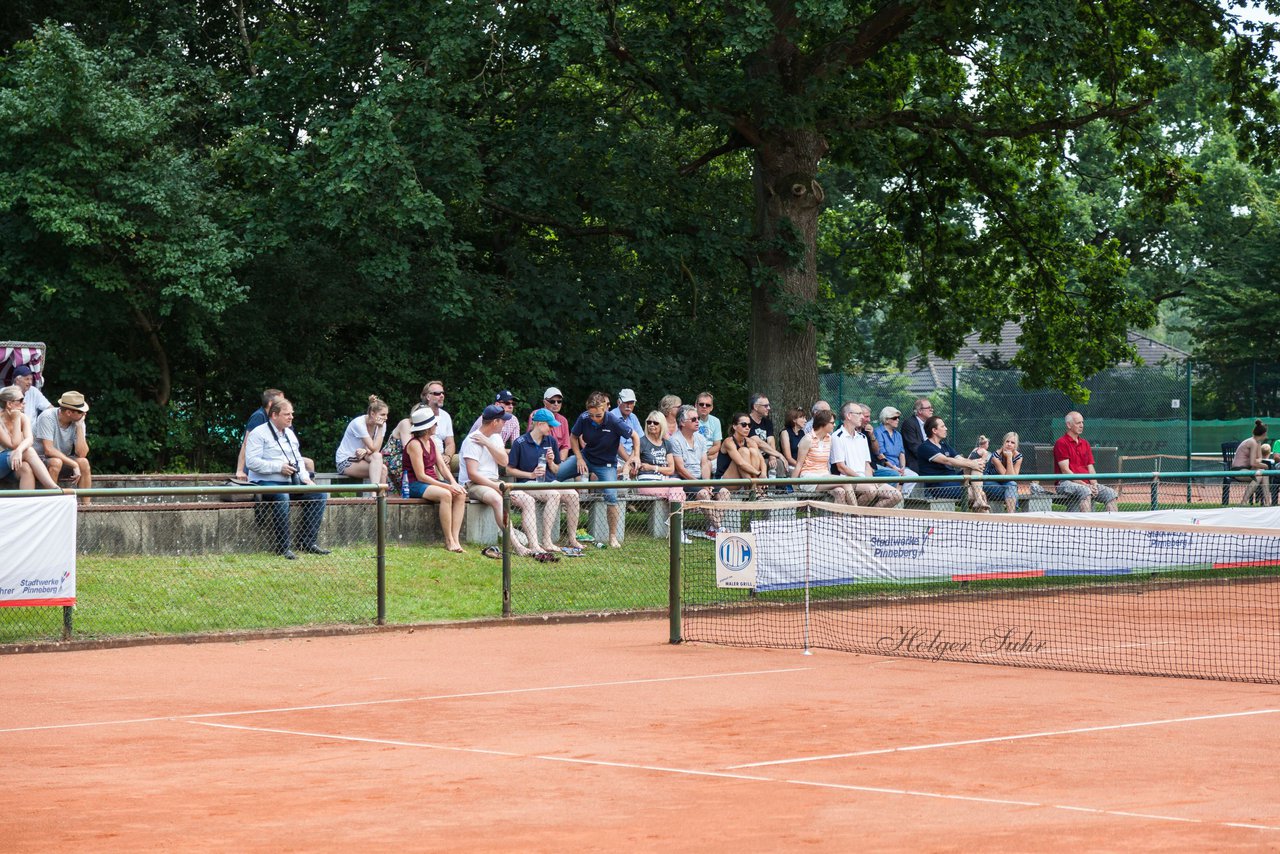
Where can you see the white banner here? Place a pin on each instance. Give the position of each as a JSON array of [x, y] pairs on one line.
[[858, 549], [736, 560], [1228, 517], [38, 550]]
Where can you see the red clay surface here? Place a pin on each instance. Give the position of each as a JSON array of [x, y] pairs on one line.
[[603, 737]]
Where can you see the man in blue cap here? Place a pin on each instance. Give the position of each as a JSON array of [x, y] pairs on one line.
[[535, 456], [481, 455], [33, 400]]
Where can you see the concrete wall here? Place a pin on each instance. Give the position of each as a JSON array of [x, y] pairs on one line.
[[185, 529]]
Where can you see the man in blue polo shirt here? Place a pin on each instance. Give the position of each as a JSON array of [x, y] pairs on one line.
[[596, 437], [535, 455]]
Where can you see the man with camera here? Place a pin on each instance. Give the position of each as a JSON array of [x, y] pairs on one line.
[[273, 457]]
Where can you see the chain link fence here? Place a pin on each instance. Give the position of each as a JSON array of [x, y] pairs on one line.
[[202, 567], [1167, 417], [187, 566]]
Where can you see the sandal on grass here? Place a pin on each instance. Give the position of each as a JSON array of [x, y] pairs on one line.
[[493, 552]]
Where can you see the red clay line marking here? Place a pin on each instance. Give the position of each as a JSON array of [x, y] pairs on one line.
[[393, 700], [723, 775], [998, 738]]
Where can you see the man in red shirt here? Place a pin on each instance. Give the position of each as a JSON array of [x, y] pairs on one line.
[[1073, 455]]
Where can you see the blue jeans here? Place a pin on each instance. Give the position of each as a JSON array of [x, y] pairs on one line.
[[569, 470], [6, 467], [274, 510], [933, 490], [1003, 490]]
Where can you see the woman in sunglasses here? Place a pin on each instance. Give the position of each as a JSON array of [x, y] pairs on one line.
[[657, 459], [738, 458]]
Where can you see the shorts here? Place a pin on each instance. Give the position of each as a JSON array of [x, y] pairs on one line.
[[477, 492], [345, 464], [5, 468]]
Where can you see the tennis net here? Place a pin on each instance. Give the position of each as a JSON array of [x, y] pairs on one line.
[[1097, 593]]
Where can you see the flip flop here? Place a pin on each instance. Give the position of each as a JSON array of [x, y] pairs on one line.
[[493, 552], [571, 552]]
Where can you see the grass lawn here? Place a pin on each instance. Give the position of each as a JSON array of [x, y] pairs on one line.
[[121, 596]]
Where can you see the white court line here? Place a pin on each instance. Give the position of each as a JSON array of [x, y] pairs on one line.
[[998, 738], [389, 701], [754, 778]]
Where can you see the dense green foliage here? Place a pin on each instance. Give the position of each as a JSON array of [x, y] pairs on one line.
[[342, 198]]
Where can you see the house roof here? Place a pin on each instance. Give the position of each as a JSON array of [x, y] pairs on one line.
[[931, 372]]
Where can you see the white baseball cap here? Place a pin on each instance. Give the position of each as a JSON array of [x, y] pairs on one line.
[[551, 392], [626, 396]]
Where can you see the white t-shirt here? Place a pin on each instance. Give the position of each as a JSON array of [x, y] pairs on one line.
[[852, 450], [474, 447], [444, 426], [353, 439]]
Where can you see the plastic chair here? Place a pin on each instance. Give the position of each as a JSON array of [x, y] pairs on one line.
[[1228, 455]]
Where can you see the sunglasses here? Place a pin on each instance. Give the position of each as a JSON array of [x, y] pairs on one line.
[[742, 424], [436, 393], [556, 400], [894, 417], [705, 403], [655, 423]]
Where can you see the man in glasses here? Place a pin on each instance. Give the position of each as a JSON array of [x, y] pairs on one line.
[[763, 437], [913, 434], [553, 402], [693, 462], [708, 424], [273, 457], [510, 427], [433, 396], [851, 455]]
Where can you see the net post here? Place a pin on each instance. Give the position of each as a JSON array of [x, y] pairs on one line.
[[505, 534], [675, 534], [381, 525], [1155, 490], [66, 621]]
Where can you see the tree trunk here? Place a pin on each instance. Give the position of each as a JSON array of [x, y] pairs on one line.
[[783, 358]]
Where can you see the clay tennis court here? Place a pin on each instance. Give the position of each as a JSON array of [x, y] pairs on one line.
[[602, 736]]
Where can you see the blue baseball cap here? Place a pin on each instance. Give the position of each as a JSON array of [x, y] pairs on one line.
[[493, 412], [545, 415]]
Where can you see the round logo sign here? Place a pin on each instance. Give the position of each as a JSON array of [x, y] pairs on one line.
[[735, 552]]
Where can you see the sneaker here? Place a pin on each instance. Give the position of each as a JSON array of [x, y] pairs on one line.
[[711, 533], [686, 539], [584, 537]]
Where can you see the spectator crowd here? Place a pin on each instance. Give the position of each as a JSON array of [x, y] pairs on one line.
[[422, 456]]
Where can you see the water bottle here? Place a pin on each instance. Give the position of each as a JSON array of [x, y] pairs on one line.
[[404, 484]]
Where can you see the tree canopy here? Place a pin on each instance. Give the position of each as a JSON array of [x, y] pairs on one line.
[[344, 198]]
